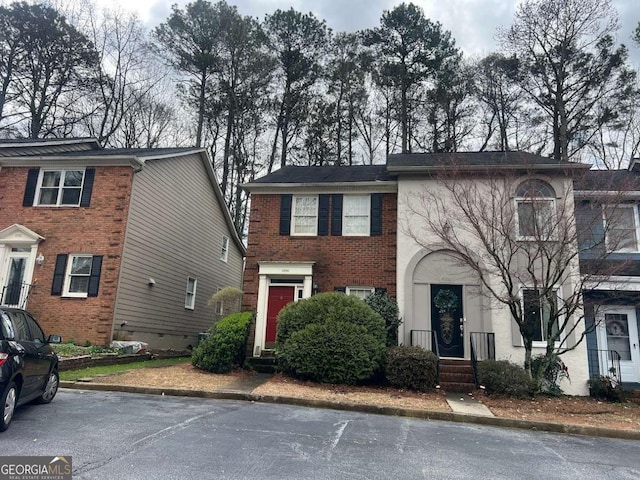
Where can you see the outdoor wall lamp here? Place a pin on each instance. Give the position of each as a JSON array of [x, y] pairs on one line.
[[40, 259]]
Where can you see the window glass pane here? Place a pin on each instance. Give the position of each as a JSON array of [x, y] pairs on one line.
[[535, 219], [48, 196], [361, 292], [79, 285], [36, 332], [51, 179], [356, 205], [531, 300], [7, 328], [21, 329], [617, 326], [305, 206], [81, 266], [70, 196], [355, 225], [622, 229], [526, 219], [73, 178], [305, 224]]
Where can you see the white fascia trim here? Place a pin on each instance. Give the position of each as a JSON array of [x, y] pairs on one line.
[[60, 161], [172, 155], [619, 283], [382, 186]]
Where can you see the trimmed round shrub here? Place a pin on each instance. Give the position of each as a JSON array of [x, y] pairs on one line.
[[412, 368], [331, 338], [505, 378], [334, 352], [224, 348], [387, 308], [325, 308]]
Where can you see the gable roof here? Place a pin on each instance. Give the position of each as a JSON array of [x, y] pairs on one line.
[[503, 160]]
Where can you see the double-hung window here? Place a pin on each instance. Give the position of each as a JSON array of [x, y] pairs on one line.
[[304, 215], [621, 223], [540, 313], [190, 296], [356, 215], [535, 210], [60, 187], [76, 282]]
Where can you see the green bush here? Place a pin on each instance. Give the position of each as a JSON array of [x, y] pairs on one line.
[[332, 338], [334, 352], [325, 308], [606, 388], [411, 368], [224, 348], [387, 308], [505, 378]]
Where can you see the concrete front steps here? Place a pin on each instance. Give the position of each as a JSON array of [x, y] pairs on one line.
[[265, 363], [456, 376]]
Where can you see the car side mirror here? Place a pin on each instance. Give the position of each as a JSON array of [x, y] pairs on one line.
[[54, 339]]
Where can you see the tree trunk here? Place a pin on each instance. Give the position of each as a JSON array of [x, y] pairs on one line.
[[201, 98]]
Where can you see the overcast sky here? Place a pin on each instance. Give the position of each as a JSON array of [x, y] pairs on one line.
[[473, 23]]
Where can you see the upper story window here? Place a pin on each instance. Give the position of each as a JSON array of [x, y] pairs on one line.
[[622, 224], [535, 210], [60, 187], [356, 214], [224, 254], [304, 215]]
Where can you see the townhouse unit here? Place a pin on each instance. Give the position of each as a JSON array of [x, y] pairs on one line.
[[360, 228], [105, 244]]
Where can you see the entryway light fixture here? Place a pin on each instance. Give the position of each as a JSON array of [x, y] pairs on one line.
[[40, 259]]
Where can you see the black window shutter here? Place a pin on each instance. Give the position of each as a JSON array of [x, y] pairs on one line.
[[285, 214], [58, 274], [94, 278], [376, 214], [340, 289], [89, 175], [30, 189], [323, 215], [336, 214]]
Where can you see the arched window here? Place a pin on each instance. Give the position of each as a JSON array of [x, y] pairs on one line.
[[535, 207]]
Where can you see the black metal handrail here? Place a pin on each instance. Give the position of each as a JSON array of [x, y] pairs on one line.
[[608, 362], [483, 347], [428, 340], [15, 294]]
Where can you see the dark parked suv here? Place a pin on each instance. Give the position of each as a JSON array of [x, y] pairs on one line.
[[28, 364]]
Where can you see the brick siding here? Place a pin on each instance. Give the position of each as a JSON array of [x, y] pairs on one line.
[[97, 230], [339, 261]]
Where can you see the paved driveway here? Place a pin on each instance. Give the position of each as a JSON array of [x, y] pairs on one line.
[[127, 436]]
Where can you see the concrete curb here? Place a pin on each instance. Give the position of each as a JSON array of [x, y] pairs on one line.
[[375, 409]]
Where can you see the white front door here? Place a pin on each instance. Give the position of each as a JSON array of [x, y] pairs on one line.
[[618, 330], [15, 288]]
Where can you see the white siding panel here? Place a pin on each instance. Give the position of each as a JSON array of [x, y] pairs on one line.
[[174, 231]]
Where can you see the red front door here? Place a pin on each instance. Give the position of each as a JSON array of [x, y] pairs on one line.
[[278, 298]]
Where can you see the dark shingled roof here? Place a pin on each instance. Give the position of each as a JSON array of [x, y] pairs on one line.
[[326, 174], [470, 159], [47, 140], [608, 180], [108, 152]]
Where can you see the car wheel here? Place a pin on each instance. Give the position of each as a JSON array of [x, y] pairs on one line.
[[50, 389], [8, 405]]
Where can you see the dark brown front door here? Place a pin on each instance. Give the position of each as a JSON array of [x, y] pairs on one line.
[[446, 316], [278, 298]]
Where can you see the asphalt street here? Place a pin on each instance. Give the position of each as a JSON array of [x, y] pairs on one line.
[[130, 436]]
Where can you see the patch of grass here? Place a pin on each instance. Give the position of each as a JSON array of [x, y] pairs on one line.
[[73, 375]]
